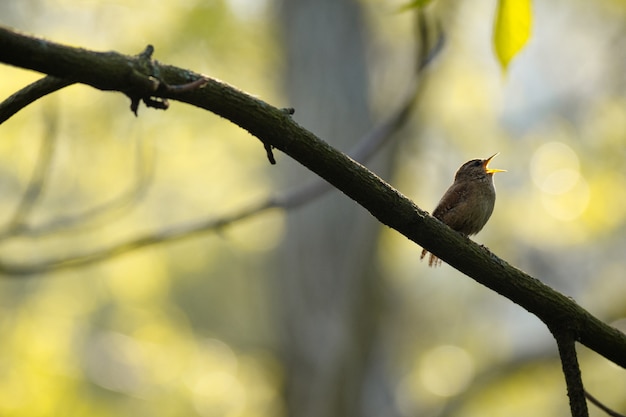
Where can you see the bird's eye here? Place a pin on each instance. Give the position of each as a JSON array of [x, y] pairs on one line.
[[477, 163]]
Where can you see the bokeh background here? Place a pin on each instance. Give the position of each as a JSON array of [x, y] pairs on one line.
[[315, 310]]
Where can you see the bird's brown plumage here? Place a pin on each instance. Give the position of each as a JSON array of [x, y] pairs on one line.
[[468, 203]]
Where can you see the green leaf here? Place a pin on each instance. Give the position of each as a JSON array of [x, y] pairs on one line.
[[512, 29]]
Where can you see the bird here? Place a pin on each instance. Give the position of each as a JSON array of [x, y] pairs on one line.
[[468, 203]]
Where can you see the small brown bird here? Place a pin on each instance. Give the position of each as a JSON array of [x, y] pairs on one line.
[[468, 203]]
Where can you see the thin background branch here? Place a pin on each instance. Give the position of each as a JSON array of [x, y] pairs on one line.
[[39, 178], [88, 218], [96, 216], [601, 406]]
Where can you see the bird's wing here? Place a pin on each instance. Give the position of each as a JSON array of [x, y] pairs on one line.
[[454, 201], [451, 199]]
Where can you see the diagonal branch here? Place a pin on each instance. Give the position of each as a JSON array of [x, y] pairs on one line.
[[272, 126], [102, 70]]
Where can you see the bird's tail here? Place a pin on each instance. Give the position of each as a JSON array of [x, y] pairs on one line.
[[432, 261]]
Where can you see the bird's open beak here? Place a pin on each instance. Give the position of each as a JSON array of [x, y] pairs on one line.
[[491, 170]]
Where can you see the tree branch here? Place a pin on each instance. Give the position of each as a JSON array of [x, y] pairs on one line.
[[274, 127], [571, 370], [29, 94], [601, 406], [102, 70]]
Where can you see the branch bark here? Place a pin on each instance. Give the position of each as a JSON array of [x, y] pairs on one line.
[[571, 370], [102, 70], [138, 76], [29, 94]]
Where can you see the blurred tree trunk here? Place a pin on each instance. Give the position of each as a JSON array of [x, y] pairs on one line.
[[325, 286]]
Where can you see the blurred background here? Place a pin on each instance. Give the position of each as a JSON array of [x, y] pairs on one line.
[[315, 310]]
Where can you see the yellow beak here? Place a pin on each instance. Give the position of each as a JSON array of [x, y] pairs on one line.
[[491, 170]]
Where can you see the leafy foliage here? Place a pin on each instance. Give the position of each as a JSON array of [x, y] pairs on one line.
[[512, 29]]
